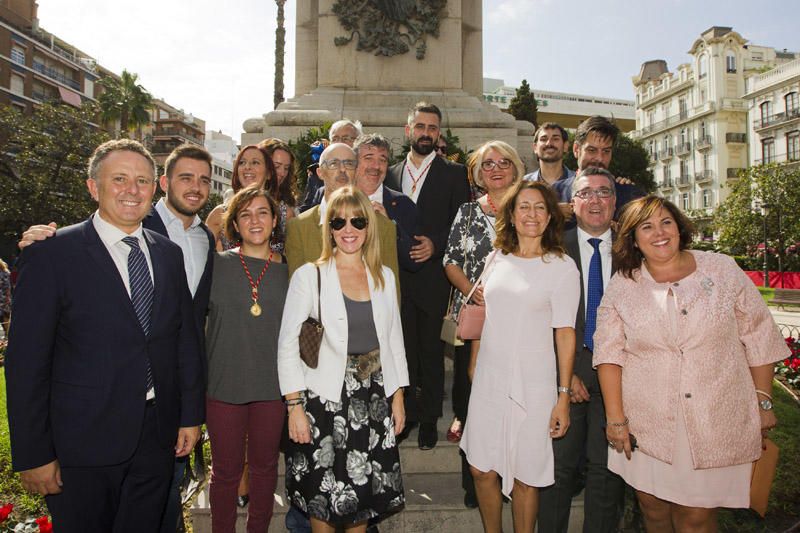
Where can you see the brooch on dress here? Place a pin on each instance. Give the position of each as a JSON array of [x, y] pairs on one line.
[[707, 284]]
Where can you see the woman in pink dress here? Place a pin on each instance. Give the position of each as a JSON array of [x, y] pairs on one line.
[[684, 350], [531, 290]]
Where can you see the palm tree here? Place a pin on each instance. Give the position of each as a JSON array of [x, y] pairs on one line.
[[124, 99], [280, 45]]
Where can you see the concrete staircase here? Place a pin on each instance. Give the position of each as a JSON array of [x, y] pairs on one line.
[[434, 497]]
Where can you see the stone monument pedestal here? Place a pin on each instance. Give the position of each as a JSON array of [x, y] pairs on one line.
[[335, 82]]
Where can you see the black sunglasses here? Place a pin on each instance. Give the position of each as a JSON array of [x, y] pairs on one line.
[[357, 222]]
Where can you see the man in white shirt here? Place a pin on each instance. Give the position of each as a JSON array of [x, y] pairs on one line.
[[438, 187], [589, 245]]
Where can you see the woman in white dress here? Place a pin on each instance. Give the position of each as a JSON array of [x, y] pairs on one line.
[[531, 290]]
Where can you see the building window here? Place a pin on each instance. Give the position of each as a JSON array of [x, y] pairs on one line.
[[683, 136], [17, 84], [702, 96], [703, 66], [667, 172], [705, 160], [791, 100], [18, 54], [651, 117], [793, 146], [682, 109], [667, 142], [685, 201], [702, 130], [766, 111], [706, 198], [730, 62], [768, 150]]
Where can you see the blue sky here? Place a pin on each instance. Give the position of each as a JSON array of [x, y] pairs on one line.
[[215, 59]]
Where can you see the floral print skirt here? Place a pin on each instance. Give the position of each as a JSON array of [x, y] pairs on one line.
[[350, 472]]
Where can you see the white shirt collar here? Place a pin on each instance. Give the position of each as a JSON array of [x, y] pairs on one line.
[[109, 233], [428, 159], [377, 196], [168, 217], [584, 237], [323, 208]]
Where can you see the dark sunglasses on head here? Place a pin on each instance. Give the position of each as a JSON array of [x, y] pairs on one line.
[[357, 222]]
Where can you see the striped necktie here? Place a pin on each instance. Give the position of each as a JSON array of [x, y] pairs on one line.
[[594, 293], [141, 291]]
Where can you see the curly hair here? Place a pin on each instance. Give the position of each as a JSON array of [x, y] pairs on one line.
[[507, 240], [626, 253]]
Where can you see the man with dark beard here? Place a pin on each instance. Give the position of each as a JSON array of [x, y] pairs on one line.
[[550, 143], [438, 187]]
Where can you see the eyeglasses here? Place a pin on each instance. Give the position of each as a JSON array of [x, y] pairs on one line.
[[357, 222], [441, 149], [343, 139], [349, 164], [489, 164], [586, 194]]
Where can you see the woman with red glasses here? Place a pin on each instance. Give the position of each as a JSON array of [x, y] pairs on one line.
[[343, 465]]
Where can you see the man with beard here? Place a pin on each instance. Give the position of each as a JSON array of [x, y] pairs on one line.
[[438, 187], [549, 146], [186, 182]]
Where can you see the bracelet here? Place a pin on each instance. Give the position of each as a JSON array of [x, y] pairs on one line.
[[292, 406], [295, 401], [564, 389], [764, 393], [618, 424]]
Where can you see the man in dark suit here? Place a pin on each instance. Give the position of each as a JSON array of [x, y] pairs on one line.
[[589, 245], [104, 371], [186, 183], [438, 187], [373, 152]]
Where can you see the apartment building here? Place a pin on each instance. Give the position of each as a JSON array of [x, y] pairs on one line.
[[223, 151], [37, 66], [693, 121], [169, 128], [773, 102]]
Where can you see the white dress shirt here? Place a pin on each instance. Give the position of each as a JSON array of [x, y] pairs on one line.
[[418, 173], [323, 208], [587, 250], [112, 239], [192, 240], [377, 196]]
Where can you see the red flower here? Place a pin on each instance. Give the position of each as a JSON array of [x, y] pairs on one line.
[[44, 525], [5, 511]]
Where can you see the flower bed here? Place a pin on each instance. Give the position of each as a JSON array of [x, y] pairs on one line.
[[789, 369]]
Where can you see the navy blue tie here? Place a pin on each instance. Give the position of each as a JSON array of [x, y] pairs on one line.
[[141, 291], [594, 293]]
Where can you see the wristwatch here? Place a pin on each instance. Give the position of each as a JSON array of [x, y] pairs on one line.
[[765, 404], [565, 389]]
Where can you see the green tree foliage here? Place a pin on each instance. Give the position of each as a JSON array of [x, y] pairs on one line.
[[630, 161], [523, 105], [124, 99], [43, 161], [739, 221]]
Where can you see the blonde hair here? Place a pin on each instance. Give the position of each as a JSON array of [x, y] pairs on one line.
[[502, 148], [348, 202]]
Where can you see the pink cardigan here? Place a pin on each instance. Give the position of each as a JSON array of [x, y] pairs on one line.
[[724, 328]]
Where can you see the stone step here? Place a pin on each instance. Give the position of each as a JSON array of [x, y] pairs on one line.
[[434, 502]]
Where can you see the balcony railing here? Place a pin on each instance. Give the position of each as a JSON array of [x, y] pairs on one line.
[[735, 137], [776, 119], [17, 56], [703, 143], [52, 73], [704, 176], [666, 153], [171, 132], [674, 119], [666, 184], [791, 157], [683, 148], [683, 180]]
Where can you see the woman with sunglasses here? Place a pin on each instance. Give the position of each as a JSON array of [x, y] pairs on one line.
[[494, 167], [252, 168], [244, 405], [343, 464]]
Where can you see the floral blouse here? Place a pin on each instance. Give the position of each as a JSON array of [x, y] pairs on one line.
[[469, 244]]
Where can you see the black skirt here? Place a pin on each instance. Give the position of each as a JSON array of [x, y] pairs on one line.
[[350, 472]]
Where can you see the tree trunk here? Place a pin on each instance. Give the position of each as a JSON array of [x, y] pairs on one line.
[[280, 45]]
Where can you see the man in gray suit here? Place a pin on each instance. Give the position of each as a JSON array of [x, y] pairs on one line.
[[589, 245]]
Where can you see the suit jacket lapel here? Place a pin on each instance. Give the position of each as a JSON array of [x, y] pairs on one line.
[[99, 254], [574, 251], [159, 275]]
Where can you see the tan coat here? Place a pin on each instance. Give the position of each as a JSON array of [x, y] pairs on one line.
[[304, 241], [724, 328]]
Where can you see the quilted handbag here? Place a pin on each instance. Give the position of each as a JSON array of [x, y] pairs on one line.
[[311, 332]]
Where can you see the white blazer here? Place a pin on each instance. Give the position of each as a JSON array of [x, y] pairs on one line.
[[327, 379]]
